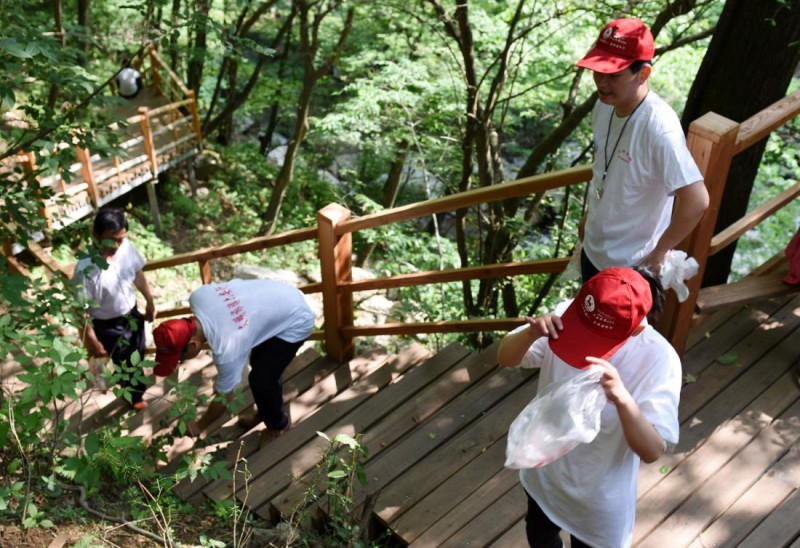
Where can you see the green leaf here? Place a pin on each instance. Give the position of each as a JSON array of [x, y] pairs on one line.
[[92, 444], [7, 98], [344, 439], [727, 359], [14, 48], [324, 436], [688, 378], [664, 469], [431, 435], [336, 474]]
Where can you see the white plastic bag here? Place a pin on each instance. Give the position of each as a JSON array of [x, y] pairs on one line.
[[565, 414], [677, 268]]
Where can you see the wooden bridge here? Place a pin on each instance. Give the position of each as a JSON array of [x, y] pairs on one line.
[[435, 425], [160, 129]]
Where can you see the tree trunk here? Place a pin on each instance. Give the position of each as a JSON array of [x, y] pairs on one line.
[[58, 12], [173, 40], [197, 53], [84, 32], [391, 189], [309, 46], [748, 66]]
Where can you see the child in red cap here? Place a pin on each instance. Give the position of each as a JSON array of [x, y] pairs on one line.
[[591, 491], [263, 319]]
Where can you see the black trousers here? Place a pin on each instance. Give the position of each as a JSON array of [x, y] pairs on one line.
[[587, 268], [267, 363], [122, 337], [543, 533]]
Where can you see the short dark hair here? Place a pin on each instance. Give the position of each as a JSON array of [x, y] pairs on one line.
[[637, 66], [109, 219], [657, 292]]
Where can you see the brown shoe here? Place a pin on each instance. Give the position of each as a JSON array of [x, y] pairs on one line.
[[249, 422]]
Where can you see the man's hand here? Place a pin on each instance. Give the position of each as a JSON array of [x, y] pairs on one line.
[[655, 261]]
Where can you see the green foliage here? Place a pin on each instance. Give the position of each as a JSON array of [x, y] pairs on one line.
[[779, 170], [332, 484]]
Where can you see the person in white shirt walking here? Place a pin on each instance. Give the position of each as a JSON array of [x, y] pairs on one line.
[[115, 328]]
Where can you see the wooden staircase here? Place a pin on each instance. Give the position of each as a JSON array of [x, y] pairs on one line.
[[434, 427]]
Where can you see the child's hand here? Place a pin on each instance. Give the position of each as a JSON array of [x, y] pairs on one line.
[[611, 382], [545, 326]]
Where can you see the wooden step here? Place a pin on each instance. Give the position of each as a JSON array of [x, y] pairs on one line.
[[470, 473], [388, 413], [747, 290], [429, 421], [301, 406]]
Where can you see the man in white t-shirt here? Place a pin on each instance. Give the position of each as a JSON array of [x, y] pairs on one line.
[[590, 492], [641, 162], [115, 328], [265, 319], [129, 82]]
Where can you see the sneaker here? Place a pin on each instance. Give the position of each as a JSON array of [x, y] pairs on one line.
[[140, 405], [249, 422]]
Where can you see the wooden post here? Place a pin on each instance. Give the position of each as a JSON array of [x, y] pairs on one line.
[[87, 172], [336, 265], [28, 162], [192, 177], [154, 68], [150, 149], [195, 117], [712, 139]]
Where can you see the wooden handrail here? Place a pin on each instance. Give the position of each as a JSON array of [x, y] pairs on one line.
[[766, 121], [502, 270], [174, 77], [415, 328], [254, 244], [514, 189], [168, 107], [753, 218]]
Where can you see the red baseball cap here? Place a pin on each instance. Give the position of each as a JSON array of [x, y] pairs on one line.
[[620, 43], [171, 337], [606, 312]]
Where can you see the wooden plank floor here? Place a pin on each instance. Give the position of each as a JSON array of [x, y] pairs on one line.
[[435, 430]]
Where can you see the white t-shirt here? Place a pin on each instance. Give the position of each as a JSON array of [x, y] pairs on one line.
[[111, 289], [126, 81], [591, 491], [650, 162], [241, 314]]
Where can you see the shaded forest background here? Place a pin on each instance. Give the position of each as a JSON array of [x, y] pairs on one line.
[[371, 105]]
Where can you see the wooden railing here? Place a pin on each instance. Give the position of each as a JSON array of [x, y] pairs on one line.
[[334, 235], [714, 141], [166, 135]]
